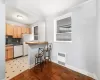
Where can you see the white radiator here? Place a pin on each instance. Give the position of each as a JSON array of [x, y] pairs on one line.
[[61, 59]]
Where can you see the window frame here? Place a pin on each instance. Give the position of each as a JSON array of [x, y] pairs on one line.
[[55, 25]]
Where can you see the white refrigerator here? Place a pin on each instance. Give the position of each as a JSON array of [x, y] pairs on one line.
[[26, 38]]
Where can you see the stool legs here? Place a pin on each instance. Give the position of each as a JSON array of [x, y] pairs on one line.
[[41, 63], [49, 56], [38, 62]]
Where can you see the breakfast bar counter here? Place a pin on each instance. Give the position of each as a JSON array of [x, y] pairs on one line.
[[33, 50], [36, 43]]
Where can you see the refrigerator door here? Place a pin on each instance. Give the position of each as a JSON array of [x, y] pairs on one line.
[[26, 38]]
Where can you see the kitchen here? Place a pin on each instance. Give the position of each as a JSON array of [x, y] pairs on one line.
[[18, 31], [16, 50], [14, 41]]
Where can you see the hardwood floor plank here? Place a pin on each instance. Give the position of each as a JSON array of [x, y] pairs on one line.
[[51, 71]]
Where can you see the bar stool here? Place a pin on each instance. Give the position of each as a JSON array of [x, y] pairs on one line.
[[39, 59], [47, 52]]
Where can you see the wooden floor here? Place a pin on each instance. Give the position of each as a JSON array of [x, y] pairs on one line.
[[51, 71]]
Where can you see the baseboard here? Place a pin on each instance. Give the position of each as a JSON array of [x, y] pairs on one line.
[[31, 66], [95, 77], [79, 71]]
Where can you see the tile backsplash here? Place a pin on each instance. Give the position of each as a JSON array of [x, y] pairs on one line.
[[11, 40], [8, 39]]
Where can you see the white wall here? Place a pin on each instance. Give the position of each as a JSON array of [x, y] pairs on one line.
[[98, 40], [2, 1], [81, 52], [15, 23], [41, 30], [2, 41]]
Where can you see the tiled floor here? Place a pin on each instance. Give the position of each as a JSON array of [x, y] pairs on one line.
[[16, 66]]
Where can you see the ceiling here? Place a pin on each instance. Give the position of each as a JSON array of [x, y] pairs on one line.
[[14, 14], [34, 10]]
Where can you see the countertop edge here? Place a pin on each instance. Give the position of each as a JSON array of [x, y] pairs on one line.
[[36, 43]]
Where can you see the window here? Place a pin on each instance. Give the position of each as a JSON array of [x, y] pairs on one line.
[[36, 33], [63, 31]]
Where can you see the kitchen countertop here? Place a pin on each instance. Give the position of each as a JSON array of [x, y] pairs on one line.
[[9, 45], [36, 43], [12, 44]]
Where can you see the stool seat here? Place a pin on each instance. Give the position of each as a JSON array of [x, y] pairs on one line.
[[47, 49]]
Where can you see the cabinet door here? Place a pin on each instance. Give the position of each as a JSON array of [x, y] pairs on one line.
[[6, 29], [27, 30], [9, 29], [10, 53], [23, 30], [15, 33], [19, 32], [6, 52]]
